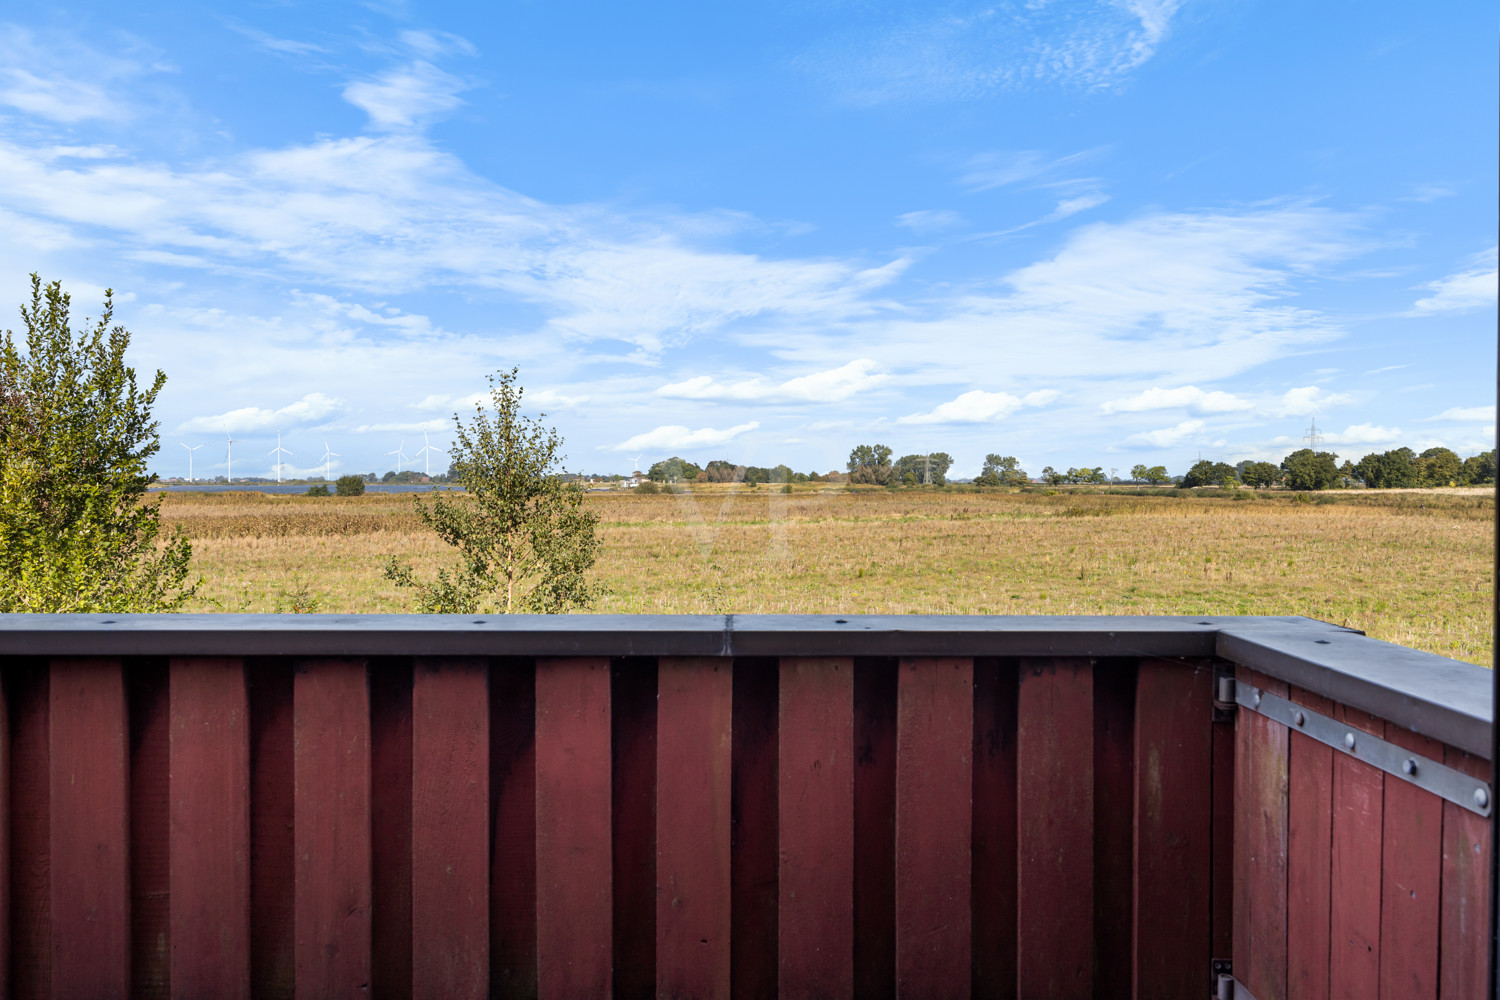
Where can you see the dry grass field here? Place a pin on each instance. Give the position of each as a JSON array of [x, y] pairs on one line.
[[1410, 567]]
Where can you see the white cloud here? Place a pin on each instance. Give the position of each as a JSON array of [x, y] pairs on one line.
[[677, 436], [414, 427], [313, 406], [929, 220], [1309, 400], [978, 407], [1365, 434], [63, 83], [1467, 414], [972, 53], [1470, 289], [406, 96], [829, 386], [1169, 436], [1187, 397]]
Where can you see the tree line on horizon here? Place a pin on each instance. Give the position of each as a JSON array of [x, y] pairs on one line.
[[1304, 469]]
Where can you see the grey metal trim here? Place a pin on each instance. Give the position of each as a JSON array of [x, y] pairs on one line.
[[1430, 775], [1240, 992], [1446, 699], [623, 635]]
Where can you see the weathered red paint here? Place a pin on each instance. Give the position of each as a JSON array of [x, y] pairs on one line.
[[210, 829], [1055, 799], [1266, 976], [450, 838], [573, 844], [147, 691], [331, 723], [1411, 878], [993, 963], [1173, 807], [1358, 808], [934, 786], [512, 701], [1244, 840], [694, 712], [816, 878], [1465, 918], [1309, 858], [90, 851]]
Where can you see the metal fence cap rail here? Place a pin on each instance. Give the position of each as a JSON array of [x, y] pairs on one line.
[[1430, 694]]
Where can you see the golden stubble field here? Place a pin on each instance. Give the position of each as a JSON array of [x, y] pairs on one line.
[[1413, 568]]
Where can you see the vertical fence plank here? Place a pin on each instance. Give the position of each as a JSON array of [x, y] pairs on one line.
[[331, 721], [693, 742], [148, 691], [450, 829], [993, 963], [273, 865], [1309, 858], [1266, 976], [754, 825], [390, 828], [875, 683], [27, 687], [210, 829], [1244, 825], [1358, 809], [1114, 829], [90, 851], [934, 785], [573, 849], [816, 807], [1411, 879], [1173, 810], [513, 829], [1055, 798], [633, 722], [1465, 916], [5, 871]]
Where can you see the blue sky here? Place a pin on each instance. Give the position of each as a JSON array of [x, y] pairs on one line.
[[1081, 233]]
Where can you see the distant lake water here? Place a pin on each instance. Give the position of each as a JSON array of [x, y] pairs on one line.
[[294, 487]]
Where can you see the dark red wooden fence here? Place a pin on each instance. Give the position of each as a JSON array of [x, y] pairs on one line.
[[1024, 808]]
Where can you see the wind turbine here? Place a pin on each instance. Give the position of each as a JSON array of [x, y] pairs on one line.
[[636, 465], [400, 454], [276, 449], [229, 460], [427, 449], [326, 456], [190, 459]]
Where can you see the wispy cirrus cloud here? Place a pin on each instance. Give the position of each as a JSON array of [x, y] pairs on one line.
[[1188, 397], [968, 51], [678, 436], [831, 386], [1167, 437], [979, 407], [1466, 415], [312, 407], [1471, 288]]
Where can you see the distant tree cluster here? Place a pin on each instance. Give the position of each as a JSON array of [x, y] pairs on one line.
[[871, 464], [1306, 469]]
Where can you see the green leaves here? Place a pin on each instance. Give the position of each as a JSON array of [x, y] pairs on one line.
[[75, 437], [525, 541]]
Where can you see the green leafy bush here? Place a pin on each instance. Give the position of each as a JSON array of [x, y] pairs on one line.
[[76, 534], [349, 486]]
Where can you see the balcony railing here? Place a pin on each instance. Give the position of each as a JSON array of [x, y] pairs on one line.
[[746, 806]]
